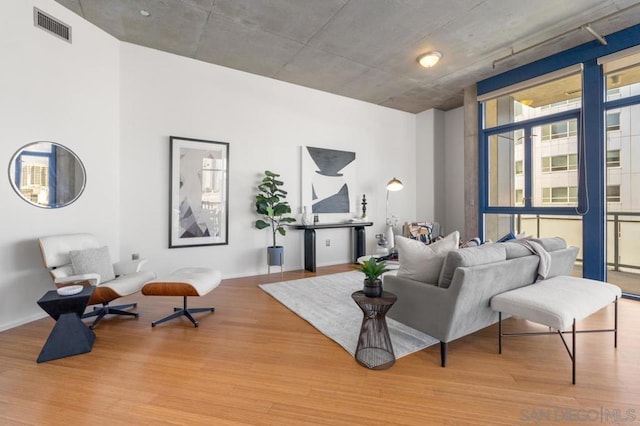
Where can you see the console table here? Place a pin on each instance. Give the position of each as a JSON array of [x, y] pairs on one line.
[[359, 240]]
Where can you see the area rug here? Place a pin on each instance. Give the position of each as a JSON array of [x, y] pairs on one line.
[[325, 303]]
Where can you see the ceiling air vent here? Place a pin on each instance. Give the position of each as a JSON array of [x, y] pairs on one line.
[[51, 25]]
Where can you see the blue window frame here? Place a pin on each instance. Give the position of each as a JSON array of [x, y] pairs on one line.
[[592, 152], [525, 126], [50, 159]]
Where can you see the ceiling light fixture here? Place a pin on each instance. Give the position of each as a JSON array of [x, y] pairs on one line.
[[145, 13], [429, 59]]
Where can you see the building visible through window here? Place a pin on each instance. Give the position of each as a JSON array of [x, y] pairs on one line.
[[613, 121], [613, 193]]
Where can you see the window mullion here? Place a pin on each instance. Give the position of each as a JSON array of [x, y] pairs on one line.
[[528, 188]]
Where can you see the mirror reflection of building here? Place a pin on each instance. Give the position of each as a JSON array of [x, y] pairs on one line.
[[47, 174]]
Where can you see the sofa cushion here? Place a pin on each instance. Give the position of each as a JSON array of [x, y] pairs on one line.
[[514, 249], [470, 256], [93, 260], [551, 243], [422, 262]]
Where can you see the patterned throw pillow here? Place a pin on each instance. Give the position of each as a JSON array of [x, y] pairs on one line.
[[420, 231], [474, 242], [507, 237]]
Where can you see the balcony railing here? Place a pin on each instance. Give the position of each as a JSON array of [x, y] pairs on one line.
[[623, 235], [623, 231]]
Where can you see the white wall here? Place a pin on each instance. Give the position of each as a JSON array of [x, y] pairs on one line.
[[266, 122], [429, 163], [440, 168], [424, 161], [116, 105], [51, 90], [454, 172]]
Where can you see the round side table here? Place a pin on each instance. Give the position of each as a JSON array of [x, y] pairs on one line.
[[374, 349]]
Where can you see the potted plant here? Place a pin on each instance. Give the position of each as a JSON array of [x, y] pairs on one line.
[[271, 204], [373, 270]]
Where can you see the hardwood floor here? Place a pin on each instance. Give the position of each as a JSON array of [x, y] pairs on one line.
[[253, 362]]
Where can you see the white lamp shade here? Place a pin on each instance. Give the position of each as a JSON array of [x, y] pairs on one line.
[[394, 185]]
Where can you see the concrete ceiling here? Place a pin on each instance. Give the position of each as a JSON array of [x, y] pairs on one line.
[[363, 49]]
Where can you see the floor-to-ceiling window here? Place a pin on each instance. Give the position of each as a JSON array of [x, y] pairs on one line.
[[560, 154], [622, 130], [530, 158]]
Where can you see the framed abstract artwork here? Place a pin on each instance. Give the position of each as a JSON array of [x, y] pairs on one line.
[[328, 179], [199, 203]]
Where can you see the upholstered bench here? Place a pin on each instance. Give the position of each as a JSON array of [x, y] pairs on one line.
[[558, 303], [183, 282]]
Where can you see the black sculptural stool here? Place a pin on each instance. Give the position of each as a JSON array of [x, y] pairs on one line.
[[70, 336]]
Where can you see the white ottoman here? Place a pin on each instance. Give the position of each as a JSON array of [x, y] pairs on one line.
[[184, 282], [558, 303]]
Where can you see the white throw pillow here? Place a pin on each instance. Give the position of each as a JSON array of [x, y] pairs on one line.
[[422, 262], [93, 261]]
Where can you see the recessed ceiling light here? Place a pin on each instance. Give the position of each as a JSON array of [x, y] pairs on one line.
[[429, 59], [145, 13]]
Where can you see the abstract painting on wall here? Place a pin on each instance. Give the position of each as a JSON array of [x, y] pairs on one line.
[[328, 178], [199, 187]]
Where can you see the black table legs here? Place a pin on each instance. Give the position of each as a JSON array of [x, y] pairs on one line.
[[359, 243], [310, 250], [359, 246]]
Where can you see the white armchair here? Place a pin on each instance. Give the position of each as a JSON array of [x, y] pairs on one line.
[[80, 259]]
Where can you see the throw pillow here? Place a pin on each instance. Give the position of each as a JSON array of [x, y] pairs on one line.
[[551, 243], [421, 231], [93, 261], [422, 262], [507, 237], [515, 249], [470, 256], [474, 242]]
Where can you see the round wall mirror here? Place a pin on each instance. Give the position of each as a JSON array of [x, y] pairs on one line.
[[47, 174]]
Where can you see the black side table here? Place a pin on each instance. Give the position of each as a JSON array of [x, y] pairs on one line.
[[70, 336], [374, 348]]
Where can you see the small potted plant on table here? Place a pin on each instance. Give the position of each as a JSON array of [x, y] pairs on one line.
[[272, 206], [373, 270]]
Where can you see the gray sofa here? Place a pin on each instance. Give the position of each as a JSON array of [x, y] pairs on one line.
[[459, 303]]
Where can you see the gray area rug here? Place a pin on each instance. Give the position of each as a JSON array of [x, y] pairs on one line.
[[325, 302]]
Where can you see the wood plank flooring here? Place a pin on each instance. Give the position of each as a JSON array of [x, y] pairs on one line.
[[253, 362]]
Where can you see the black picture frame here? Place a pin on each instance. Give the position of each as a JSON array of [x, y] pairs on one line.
[[198, 197]]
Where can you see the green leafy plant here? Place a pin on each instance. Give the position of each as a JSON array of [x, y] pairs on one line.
[[271, 204], [373, 269]]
